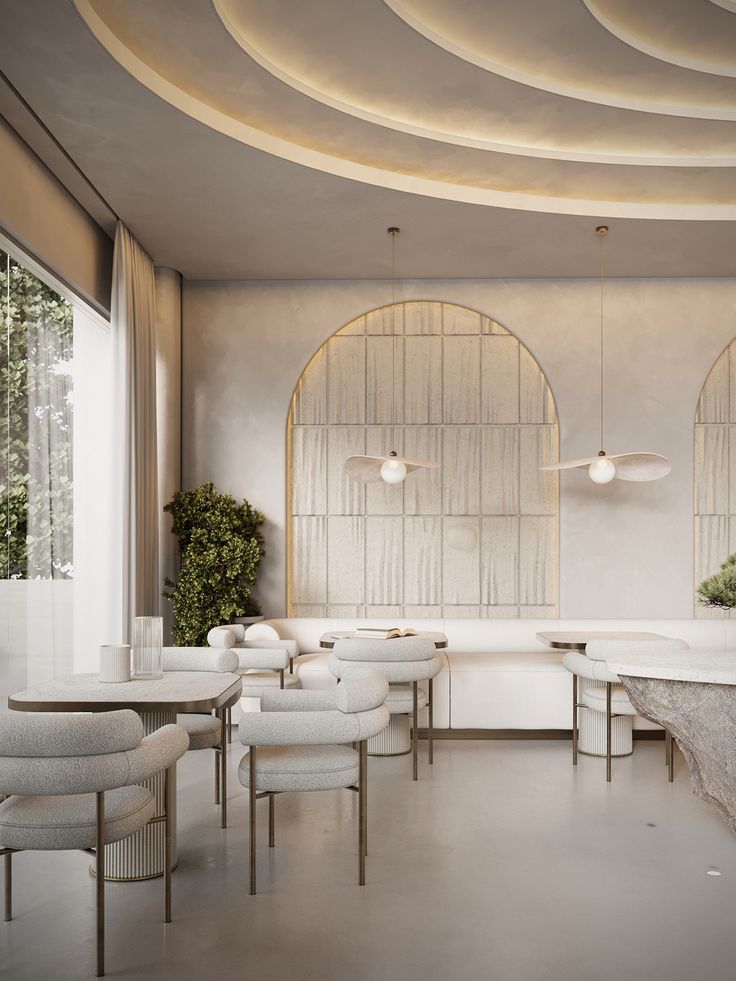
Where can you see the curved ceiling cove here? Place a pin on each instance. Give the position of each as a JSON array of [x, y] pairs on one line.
[[690, 34], [459, 99]]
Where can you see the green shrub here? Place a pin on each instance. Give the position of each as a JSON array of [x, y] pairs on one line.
[[221, 548], [720, 589]]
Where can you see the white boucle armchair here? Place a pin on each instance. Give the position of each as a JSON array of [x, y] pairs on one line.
[[299, 741], [263, 657], [404, 662], [71, 783]]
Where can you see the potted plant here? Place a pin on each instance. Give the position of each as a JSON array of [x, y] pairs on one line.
[[720, 589], [221, 548]]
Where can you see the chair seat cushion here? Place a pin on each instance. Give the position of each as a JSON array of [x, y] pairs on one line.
[[54, 823], [595, 698], [280, 768], [254, 681], [203, 730], [400, 699]]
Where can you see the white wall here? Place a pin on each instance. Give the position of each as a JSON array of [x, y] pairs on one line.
[[625, 549]]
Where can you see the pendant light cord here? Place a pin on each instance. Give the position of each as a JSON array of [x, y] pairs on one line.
[[602, 231], [393, 232]]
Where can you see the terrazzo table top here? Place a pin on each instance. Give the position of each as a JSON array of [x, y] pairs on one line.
[[707, 667], [177, 691]]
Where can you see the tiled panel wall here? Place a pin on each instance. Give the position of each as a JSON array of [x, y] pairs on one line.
[[715, 473], [476, 538]]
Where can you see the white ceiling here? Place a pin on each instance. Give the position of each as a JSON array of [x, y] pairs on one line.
[[279, 138]]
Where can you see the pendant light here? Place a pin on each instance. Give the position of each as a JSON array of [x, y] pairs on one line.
[[392, 468], [602, 469]]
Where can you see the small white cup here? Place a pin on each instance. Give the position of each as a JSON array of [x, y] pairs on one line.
[[115, 662]]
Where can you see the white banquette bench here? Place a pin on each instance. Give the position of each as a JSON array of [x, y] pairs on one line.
[[495, 674]]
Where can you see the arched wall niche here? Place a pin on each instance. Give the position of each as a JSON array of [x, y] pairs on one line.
[[476, 538], [714, 490]]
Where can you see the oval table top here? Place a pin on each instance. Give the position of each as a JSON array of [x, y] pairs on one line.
[[176, 691], [327, 640], [575, 640], [707, 667]]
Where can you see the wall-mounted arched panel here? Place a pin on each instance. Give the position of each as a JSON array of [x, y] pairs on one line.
[[479, 536], [715, 479]]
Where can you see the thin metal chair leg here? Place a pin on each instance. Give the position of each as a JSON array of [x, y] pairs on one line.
[[281, 678], [223, 771], [168, 840], [670, 756], [291, 665], [430, 727], [608, 731], [8, 911], [362, 811], [252, 808], [229, 725], [217, 775], [667, 747], [415, 713], [271, 822], [100, 882], [574, 720]]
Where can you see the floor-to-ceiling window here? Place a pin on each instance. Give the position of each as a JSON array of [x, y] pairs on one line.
[[54, 434]]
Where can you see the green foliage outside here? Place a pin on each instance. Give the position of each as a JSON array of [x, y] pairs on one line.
[[36, 491], [720, 590], [221, 548]]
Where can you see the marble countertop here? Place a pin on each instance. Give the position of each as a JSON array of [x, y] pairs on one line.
[[708, 667]]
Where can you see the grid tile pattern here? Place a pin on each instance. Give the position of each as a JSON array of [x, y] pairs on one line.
[[476, 538]]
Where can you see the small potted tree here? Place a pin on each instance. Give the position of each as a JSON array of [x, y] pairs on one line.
[[221, 548], [720, 589]]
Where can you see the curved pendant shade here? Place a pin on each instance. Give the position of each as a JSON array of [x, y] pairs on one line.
[[367, 469], [639, 466]]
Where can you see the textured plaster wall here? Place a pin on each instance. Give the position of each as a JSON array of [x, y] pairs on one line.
[[626, 550]]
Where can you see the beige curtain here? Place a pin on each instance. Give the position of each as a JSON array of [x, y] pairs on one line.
[[133, 324]]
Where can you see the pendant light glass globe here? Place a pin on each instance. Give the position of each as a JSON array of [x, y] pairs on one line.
[[393, 471], [602, 471]]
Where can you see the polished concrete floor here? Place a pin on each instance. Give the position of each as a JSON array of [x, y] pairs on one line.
[[501, 863]]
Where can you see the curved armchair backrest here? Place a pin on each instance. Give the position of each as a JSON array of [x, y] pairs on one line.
[[603, 649], [235, 636], [80, 754], [353, 711], [398, 649], [199, 659], [46, 735]]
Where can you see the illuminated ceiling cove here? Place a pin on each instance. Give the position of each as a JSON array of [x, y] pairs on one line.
[[576, 107]]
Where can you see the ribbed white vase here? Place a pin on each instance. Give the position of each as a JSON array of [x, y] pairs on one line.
[[115, 663]]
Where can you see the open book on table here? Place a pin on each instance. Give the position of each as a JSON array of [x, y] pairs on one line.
[[385, 633]]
